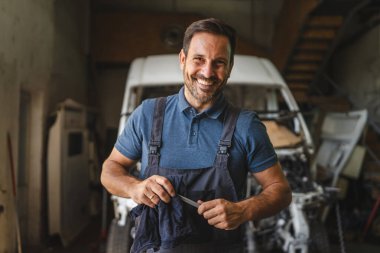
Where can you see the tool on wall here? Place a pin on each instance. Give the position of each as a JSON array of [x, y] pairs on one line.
[[14, 187]]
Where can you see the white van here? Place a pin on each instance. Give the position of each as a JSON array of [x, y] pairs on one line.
[[254, 84]]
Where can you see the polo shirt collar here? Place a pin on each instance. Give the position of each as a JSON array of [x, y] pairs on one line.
[[213, 112]]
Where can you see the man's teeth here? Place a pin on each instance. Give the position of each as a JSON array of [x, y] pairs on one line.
[[203, 82]]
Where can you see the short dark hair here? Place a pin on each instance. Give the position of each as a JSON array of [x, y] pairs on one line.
[[210, 25]]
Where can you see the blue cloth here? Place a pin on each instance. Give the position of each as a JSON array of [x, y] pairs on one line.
[[191, 138], [165, 226]]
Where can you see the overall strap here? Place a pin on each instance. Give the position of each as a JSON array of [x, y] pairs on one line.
[[156, 132], [229, 124]]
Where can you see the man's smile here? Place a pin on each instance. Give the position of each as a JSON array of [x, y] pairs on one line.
[[205, 84]]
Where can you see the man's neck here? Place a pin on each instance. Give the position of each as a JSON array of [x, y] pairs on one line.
[[198, 105]]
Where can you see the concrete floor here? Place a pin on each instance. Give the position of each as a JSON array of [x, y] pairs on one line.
[[91, 241], [354, 247]]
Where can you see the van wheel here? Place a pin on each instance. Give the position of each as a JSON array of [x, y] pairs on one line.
[[119, 238]]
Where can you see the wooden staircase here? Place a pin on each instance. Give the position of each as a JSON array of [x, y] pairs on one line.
[[320, 28], [308, 33], [316, 38]]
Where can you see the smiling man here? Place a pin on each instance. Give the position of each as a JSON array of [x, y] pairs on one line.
[[196, 144], [206, 66]]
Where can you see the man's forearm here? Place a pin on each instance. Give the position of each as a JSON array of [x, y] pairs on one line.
[[269, 202], [117, 180]]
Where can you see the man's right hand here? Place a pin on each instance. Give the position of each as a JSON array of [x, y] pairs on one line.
[[116, 179], [151, 190]]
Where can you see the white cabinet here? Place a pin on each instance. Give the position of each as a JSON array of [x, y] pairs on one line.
[[68, 174]]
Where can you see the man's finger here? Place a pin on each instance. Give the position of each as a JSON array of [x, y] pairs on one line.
[[147, 201], [160, 192], [165, 183], [214, 221], [207, 205], [209, 214]]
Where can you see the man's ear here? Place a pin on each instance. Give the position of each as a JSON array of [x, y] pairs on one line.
[[182, 59], [230, 70]]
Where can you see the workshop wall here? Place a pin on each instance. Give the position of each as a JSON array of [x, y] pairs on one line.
[[110, 86], [42, 56], [26, 45], [255, 23], [356, 70], [69, 74]]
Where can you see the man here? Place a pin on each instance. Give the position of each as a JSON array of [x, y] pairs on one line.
[[206, 143]]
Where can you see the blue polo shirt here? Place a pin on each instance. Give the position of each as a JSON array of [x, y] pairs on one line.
[[190, 139]]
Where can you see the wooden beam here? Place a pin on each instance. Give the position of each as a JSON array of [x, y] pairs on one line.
[[120, 36]]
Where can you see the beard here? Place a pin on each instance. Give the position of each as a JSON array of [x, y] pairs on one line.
[[215, 87]]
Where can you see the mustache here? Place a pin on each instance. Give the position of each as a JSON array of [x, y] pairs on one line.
[[208, 79]]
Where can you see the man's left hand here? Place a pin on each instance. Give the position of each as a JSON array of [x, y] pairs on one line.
[[221, 213]]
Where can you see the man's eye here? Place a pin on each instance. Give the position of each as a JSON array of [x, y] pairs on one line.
[[221, 63], [198, 61]]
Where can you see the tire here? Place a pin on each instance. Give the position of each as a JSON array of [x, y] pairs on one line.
[[119, 238], [319, 241]]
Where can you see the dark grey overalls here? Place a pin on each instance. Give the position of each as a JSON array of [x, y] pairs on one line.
[[199, 184]]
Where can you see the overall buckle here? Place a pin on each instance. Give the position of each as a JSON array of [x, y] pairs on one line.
[[153, 150], [223, 150]]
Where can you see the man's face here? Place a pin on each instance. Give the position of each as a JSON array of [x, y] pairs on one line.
[[206, 68]]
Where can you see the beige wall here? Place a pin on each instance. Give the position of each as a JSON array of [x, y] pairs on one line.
[[357, 70], [42, 52], [26, 44], [110, 86]]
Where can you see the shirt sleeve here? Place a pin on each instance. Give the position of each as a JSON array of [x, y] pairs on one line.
[[260, 152], [129, 142]]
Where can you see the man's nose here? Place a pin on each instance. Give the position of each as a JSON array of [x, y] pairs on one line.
[[208, 70]]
